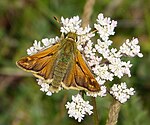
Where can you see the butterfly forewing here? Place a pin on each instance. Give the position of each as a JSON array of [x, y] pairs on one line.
[[41, 64]]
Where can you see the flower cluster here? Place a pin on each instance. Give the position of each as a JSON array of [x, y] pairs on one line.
[[78, 108], [74, 25], [44, 87], [41, 45], [105, 61], [105, 26], [70, 25], [131, 48], [121, 92]]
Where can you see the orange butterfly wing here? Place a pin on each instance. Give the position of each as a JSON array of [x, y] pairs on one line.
[[42, 63], [80, 77]]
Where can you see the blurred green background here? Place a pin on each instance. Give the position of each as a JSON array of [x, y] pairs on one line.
[[23, 21]]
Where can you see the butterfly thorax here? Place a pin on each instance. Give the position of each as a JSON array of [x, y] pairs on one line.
[[67, 52]]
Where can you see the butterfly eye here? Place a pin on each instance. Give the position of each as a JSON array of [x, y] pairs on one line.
[[76, 39], [65, 35]]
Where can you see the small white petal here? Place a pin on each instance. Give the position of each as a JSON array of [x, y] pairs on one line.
[[140, 55], [49, 93]]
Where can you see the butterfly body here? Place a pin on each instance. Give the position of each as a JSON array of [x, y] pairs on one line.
[[66, 54], [61, 65]]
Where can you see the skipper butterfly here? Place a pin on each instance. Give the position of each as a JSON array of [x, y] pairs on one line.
[[61, 65]]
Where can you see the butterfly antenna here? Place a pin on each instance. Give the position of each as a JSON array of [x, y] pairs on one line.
[[57, 19], [95, 30]]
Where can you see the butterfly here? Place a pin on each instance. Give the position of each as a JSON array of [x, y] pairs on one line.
[[61, 65]]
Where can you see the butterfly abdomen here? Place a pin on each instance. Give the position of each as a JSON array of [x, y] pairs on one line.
[[59, 73], [60, 70], [63, 61]]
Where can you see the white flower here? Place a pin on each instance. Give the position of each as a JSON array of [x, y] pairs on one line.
[[74, 25], [131, 48], [70, 25], [48, 42], [126, 68], [37, 45], [103, 21], [101, 93], [103, 72], [40, 81], [121, 92], [119, 68], [116, 67], [78, 108], [105, 27], [41, 45], [103, 47], [88, 48], [90, 54], [45, 87], [45, 41], [31, 51], [54, 40], [100, 81], [93, 60], [49, 93], [114, 53], [84, 34]]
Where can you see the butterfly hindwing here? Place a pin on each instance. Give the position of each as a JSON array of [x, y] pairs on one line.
[[69, 79]]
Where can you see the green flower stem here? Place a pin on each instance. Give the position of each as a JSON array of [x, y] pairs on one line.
[[95, 114]]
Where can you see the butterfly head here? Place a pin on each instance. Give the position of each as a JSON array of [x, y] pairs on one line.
[[72, 36]]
